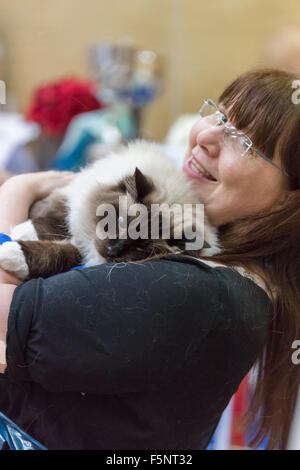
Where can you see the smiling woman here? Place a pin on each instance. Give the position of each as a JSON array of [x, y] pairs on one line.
[[256, 206], [236, 173], [148, 355]]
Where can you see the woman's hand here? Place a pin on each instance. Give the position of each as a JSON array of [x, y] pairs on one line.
[[19, 192], [41, 184]]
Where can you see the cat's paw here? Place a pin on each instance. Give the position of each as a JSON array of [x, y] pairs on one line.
[[12, 259], [24, 232]]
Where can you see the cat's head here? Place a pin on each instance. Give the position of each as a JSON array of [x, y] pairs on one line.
[[129, 227]]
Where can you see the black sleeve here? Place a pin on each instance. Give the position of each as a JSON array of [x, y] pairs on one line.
[[124, 327]]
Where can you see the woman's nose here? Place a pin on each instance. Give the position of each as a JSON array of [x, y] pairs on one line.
[[211, 140]]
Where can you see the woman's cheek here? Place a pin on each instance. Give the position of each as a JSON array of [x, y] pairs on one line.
[[232, 170]]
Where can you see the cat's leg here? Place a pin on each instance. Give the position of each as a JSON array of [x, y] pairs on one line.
[[32, 259], [40, 229], [50, 218], [49, 222], [24, 231], [12, 259]]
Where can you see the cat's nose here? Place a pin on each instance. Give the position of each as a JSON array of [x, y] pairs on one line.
[[117, 247]]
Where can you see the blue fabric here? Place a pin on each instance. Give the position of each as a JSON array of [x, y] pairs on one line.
[[4, 238], [75, 159], [15, 438]]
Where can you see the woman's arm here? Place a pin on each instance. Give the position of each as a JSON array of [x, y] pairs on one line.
[[4, 175], [17, 194], [16, 197], [15, 201], [6, 294]]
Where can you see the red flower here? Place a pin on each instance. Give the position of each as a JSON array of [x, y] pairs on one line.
[[54, 105]]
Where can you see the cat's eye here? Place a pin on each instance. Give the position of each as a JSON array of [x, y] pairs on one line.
[[122, 222]]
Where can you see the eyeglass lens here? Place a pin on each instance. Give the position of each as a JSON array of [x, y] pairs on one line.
[[215, 117]]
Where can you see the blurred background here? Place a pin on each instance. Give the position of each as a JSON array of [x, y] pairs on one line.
[[81, 77], [202, 45], [151, 61]]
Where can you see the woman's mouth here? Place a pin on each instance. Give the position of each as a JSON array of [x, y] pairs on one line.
[[195, 170]]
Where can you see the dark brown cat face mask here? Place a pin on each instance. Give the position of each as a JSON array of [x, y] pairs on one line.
[[122, 236]]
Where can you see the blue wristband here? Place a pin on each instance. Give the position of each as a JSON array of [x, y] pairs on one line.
[[4, 238]]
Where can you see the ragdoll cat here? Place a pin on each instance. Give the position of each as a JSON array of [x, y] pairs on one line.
[[71, 227]]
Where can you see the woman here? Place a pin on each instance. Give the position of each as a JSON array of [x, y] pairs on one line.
[[147, 356]]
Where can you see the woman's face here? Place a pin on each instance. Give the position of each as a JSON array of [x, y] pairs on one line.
[[242, 186]]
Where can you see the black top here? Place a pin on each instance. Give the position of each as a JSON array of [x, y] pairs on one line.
[[131, 356]]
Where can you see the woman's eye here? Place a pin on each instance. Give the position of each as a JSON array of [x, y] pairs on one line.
[[220, 118], [223, 118]]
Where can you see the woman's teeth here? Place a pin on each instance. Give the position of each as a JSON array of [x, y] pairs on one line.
[[197, 168]]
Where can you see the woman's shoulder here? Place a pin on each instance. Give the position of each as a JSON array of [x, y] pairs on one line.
[[197, 286], [238, 288], [175, 284], [240, 277], [173, 275], [178, 308], [239, 303]]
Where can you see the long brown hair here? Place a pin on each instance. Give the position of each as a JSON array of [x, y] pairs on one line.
[[260, 102]]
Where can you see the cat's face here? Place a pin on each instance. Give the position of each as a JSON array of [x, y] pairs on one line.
[[125, 227]]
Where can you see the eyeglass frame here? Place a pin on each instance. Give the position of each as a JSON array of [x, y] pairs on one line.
[[232, 130]]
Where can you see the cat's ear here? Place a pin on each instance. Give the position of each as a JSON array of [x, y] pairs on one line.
[[144, 185], [138, 185]]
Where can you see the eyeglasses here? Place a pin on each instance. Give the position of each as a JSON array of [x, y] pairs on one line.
[[242, 143]]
